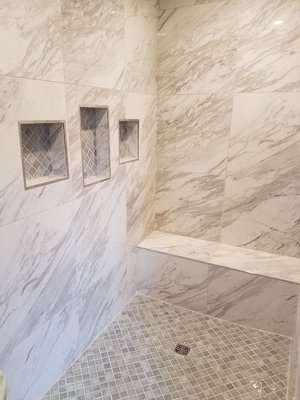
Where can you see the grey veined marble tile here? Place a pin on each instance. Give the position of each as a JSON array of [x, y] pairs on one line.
[[189, 204], [31, 43], [268, 56], [93, 38], [32, 104], [207, 31], [259, 302], [172, 279], [187, 143], [262, 192]]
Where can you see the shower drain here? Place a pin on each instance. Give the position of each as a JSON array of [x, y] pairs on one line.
[[182, 349]]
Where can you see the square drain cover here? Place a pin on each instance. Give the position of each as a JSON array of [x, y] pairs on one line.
[[182, 349]]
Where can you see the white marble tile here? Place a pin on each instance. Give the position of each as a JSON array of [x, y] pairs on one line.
[[30, 40], [99, 234], [77, 96], [262, 215], [189, 143], [172, 279], [189, 204], [140, 54], [37, 272], [268, 56], [196, 48], [35, 364], [250, 300], [93, 38], [269, 46], [140, 175], [101, 303], [262, 190], [265, 135], [26, 100], [270, 23], [237, 258]]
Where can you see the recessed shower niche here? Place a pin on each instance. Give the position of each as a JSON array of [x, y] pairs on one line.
[[44, 154], [129, 140], [95, 145]]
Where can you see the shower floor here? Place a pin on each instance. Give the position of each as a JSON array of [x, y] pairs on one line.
[[135, 358]]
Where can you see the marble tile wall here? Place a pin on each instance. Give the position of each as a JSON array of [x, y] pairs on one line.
[[264, 303], [228, 138], [67, 250]]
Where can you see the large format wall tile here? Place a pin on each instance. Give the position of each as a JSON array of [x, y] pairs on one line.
[[26, 100], [248, 299], [263, 303], [172, 279], [65, 255], [35, 364], [189, 204], [37, 276], [193, 133], [100, 304], [207, 31], [140, 175], [100, 237], [140, 54], [269, 46], [35, 47], [93, 38], [262, 194]]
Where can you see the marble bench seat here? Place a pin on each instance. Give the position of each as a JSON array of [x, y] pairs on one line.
[[248, 287], [237, 258]]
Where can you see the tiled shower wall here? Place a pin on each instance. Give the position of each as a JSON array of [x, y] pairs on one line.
[[229, 122], [65, 259]]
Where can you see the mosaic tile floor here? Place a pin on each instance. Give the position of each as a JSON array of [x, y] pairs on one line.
[[135, 358]]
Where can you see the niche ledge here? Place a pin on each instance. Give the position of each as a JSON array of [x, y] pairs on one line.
[[95, 144], [128, 140], [44, 154]]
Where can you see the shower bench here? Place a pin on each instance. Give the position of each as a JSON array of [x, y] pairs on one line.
[[241, 285]]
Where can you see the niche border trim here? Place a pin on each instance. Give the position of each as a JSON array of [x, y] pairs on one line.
[[137, 140], [96, 181], [56, 178]]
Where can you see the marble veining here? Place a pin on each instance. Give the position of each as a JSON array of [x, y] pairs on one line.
[[172, 279], [227, 293], [94, 47], [26, 100], [33, 34], [189, 204], [228, 101], [238, 297], [246, 260], [189, 143], [263, 174], [206, 30], [269, 46], [68, 250]]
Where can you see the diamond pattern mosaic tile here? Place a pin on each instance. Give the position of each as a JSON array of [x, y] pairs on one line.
[[88, 137], [36, 150], [135, 359]]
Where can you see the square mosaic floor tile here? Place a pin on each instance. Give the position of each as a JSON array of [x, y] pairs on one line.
[[135, 358]]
